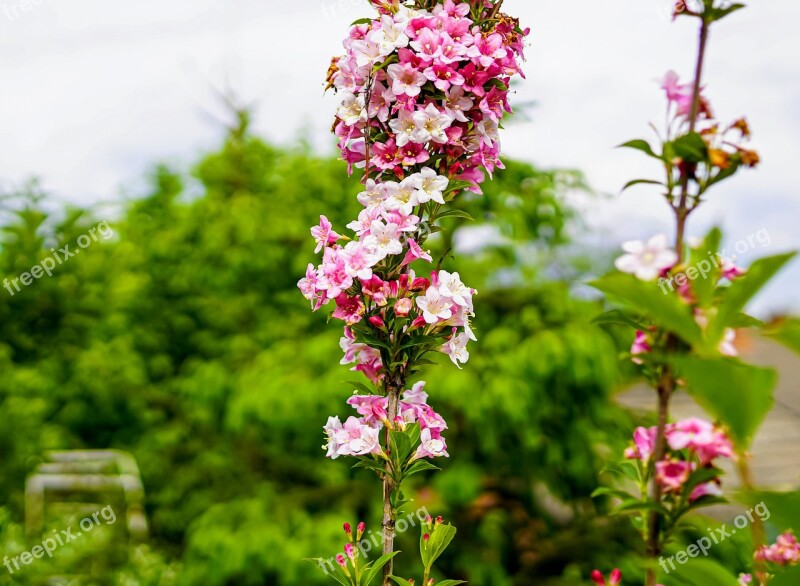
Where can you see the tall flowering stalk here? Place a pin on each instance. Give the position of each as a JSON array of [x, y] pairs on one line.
[[424, 87], [685, 303]]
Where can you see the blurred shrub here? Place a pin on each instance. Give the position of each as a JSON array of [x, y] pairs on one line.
[[183, 340]]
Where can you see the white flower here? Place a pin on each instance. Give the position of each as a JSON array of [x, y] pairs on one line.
[[431, 125], [400, 196], [646, 260], [434, 306], [450, 285], [431, 446], [372, 195], [352, 110], [430, 186], [403, 126], [456, 349], [390, 36], [366, 53], [727, 347], [384, 239], [332, 428]]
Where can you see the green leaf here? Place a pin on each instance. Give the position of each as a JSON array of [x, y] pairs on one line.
[[641, 181], [618, 317], [419, 466], [454, 213], [705, 282], [743, 320], [606, 491], [450, 582], [635, 506], [361, 387], [787, 333], [647, 298], [703, 571], [640, 145], [743, 289], [401, 581], [361, 21], [400, 446], [691, 147], [719, 13], [738, 394], [787, 577], [376, 568], [370, 464], [334, 570], [440, 538]]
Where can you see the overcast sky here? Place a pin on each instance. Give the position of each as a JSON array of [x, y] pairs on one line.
[[95, 91]]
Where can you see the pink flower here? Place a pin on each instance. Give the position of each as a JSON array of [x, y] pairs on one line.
[[356, 438], [646, 260], [690, 433], [644, 444], [403, 307], [730, 271], [324, 234], [615, 579], [371, 407], [641, 345], [384, 239], [415, 253], [673, 474], [432, 446], [707, 489], [416, 395], [349, 309], [405, 79], [430, 125], [359, 261], [487, 49], [334, 278], [443, 76], [784, 552], [745, 579], [308, 287]]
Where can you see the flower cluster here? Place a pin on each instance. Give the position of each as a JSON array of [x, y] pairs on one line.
[[695, 444], [427, 87], [360, 436], [784, 552], [653, 260]]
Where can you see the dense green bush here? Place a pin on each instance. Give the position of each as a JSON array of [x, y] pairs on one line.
[[183, 340]]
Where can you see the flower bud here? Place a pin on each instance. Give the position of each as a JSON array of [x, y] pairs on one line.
[[439, 520], [377, 321], [350, 551], [361, 528], [403, 307], [348, 531], [418, 323], [341, 561]]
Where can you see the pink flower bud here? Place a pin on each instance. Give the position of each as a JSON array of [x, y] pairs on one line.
[[361, 528], [418, 323], [377, 321], [348, 530], [420, 284], [616, 577], [598, 578], [426, 538], [439, 520], [403, 307], [341, 561], [350, 551]]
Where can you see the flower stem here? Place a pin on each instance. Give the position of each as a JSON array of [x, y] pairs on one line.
[[394, 386], [667, 384]]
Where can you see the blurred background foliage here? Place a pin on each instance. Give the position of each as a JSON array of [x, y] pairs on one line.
[[183, 340]]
